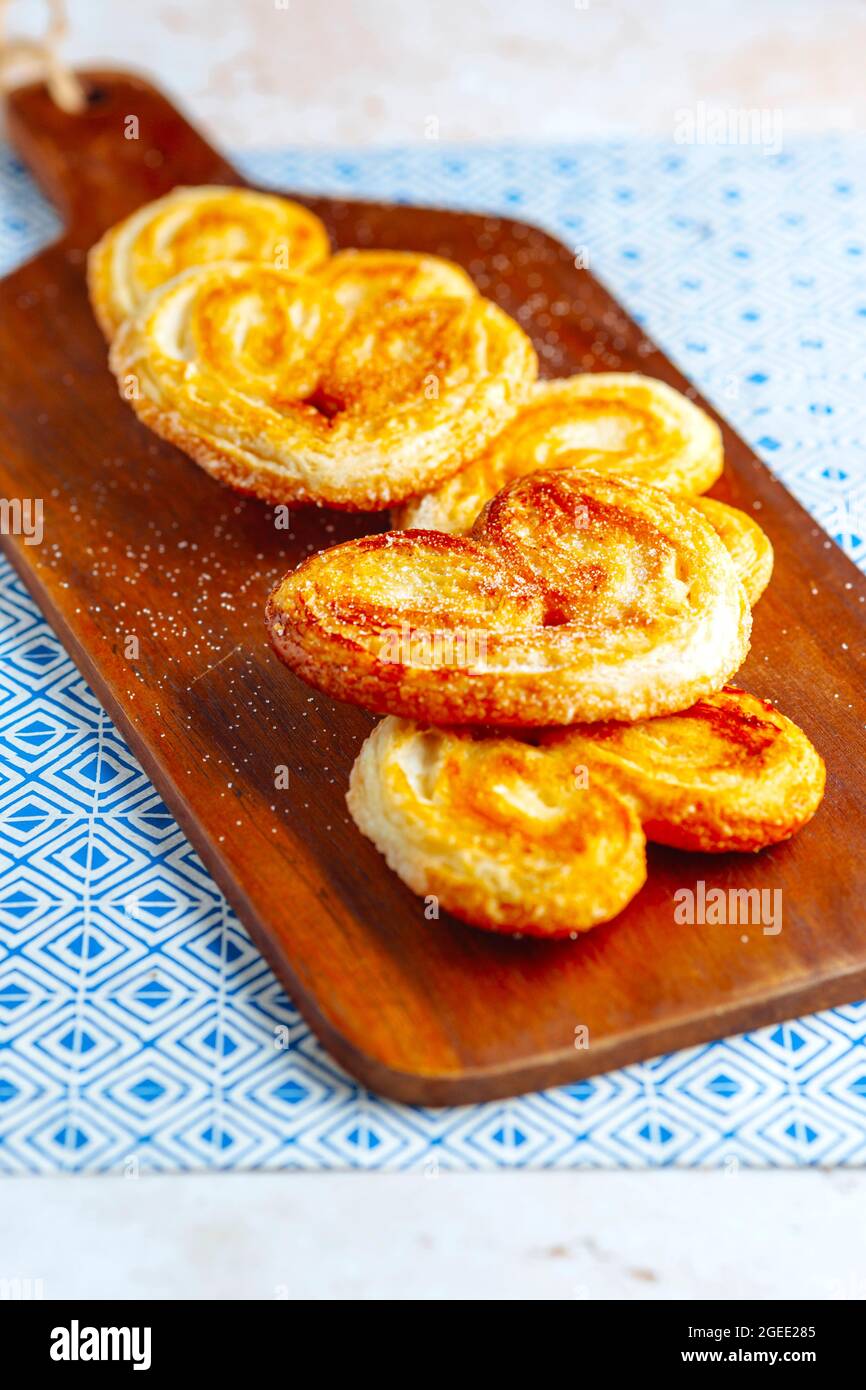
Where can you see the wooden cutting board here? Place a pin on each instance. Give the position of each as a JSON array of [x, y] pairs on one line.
[[141, 543]]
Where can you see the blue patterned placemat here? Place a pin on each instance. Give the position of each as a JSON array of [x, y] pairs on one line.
[[148, 1041]]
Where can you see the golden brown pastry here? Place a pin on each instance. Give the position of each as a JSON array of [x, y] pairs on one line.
[[745, 542], [545, 839], [502, 834], [731, 773], [363, 280], [578, 596], [273, 387], [195, 226], [617, 422]]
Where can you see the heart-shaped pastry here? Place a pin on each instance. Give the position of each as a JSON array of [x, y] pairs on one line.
[[611, 422], [578, 596], [277, 387], [547, 839], [196, 226]]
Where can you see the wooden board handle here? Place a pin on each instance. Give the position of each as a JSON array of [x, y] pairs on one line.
[[129, 145]]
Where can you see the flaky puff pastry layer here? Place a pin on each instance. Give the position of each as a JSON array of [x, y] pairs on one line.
[[375, 279], [192, 227], [547, 839], [748, 546], [499, 832], [277, 389], [731, 773], [578, 596], [611, 422]]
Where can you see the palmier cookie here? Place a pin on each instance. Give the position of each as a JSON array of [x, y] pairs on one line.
[[617, 422], [196, 226], [731, 773], [259, 377], [539, 840], [578, 596], [500, 832]]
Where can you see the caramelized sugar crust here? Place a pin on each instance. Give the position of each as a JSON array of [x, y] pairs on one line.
[[578, 596], [297, 392], [730, 773]]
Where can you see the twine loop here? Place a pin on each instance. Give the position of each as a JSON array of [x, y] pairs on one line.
[[40, 57]]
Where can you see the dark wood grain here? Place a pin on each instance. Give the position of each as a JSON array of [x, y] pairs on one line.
[[138, 541]]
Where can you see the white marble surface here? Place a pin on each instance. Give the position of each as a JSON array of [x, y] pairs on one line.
[[572, 1236], [277, 72], [266, 73]]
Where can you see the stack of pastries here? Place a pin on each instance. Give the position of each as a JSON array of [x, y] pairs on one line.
[[353, 381], [550, 627]]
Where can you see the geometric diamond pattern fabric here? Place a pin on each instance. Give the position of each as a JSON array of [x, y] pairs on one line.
[[139, 1028]]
